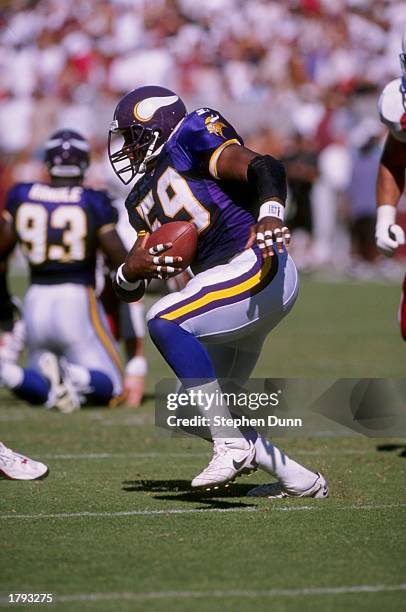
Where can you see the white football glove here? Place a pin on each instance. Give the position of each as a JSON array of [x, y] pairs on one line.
[[388, 235]]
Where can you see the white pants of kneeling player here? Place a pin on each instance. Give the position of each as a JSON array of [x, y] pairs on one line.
[[233, 332], [66, 319]]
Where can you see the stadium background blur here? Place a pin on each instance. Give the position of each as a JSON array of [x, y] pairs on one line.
[[298, 78]]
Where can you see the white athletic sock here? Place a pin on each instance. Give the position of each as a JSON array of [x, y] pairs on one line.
[[289, 472], [11, 375], [209, 396]]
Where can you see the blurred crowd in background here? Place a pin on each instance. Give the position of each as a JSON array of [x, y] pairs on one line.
[[298, 78]]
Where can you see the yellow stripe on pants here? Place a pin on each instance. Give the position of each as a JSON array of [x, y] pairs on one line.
[[101, 332], [220, 293]]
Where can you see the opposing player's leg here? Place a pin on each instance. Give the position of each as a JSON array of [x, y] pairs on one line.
[[14, 466], [402, 311]]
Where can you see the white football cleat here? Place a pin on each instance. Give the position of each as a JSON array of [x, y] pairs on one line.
[[228, 462], [63, 395], [276, 490], [14, 466]]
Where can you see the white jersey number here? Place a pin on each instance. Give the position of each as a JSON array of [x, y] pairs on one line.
[[32, 221], [175, 195]]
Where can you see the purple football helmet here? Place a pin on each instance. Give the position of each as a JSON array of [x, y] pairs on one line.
[[143, 121], [66, 154]]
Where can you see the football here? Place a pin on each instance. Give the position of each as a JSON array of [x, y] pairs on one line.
[[183, 236]]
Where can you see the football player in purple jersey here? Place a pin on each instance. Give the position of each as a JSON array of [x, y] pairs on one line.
[[195, 167], [60, 225]]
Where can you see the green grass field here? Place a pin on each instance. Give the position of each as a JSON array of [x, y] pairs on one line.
[[115, 526]]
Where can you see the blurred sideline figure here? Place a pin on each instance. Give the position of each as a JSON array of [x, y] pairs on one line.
[[365, 155], [60, 225], [14, 466], [391, 175]]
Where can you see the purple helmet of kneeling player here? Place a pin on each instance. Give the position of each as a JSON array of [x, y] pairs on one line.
[[66, 154], [143, 121]]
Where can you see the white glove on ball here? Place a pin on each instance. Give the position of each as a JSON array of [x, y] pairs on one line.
[[388, 235]]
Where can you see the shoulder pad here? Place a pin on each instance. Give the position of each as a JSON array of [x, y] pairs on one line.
[[392, 108]]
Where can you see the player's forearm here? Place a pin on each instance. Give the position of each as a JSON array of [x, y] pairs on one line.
[[390, 184], [113, 248], [391, 174]]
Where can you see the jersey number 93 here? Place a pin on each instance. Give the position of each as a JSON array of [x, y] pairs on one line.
[[34, 224]]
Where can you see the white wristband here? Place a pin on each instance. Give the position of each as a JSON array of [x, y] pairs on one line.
[[124, 283], [386, 215], [271, 208], [137, 366]]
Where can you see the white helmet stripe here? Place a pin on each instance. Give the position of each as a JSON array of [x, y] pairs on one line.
[[51, 144], [145, 109], [80, 144], [56, 142]]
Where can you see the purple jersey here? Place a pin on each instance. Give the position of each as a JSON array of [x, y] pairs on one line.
[[57, 228], [184, 186]]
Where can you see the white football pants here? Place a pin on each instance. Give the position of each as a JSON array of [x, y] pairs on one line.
[[68, 320], [232, 308]]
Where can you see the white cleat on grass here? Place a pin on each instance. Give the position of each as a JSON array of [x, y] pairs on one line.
[[63, 395], [276, 490], [14, 466], [229, 461]]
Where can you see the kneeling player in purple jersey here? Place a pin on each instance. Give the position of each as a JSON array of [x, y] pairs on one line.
[[195, 167], [72, 358]]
